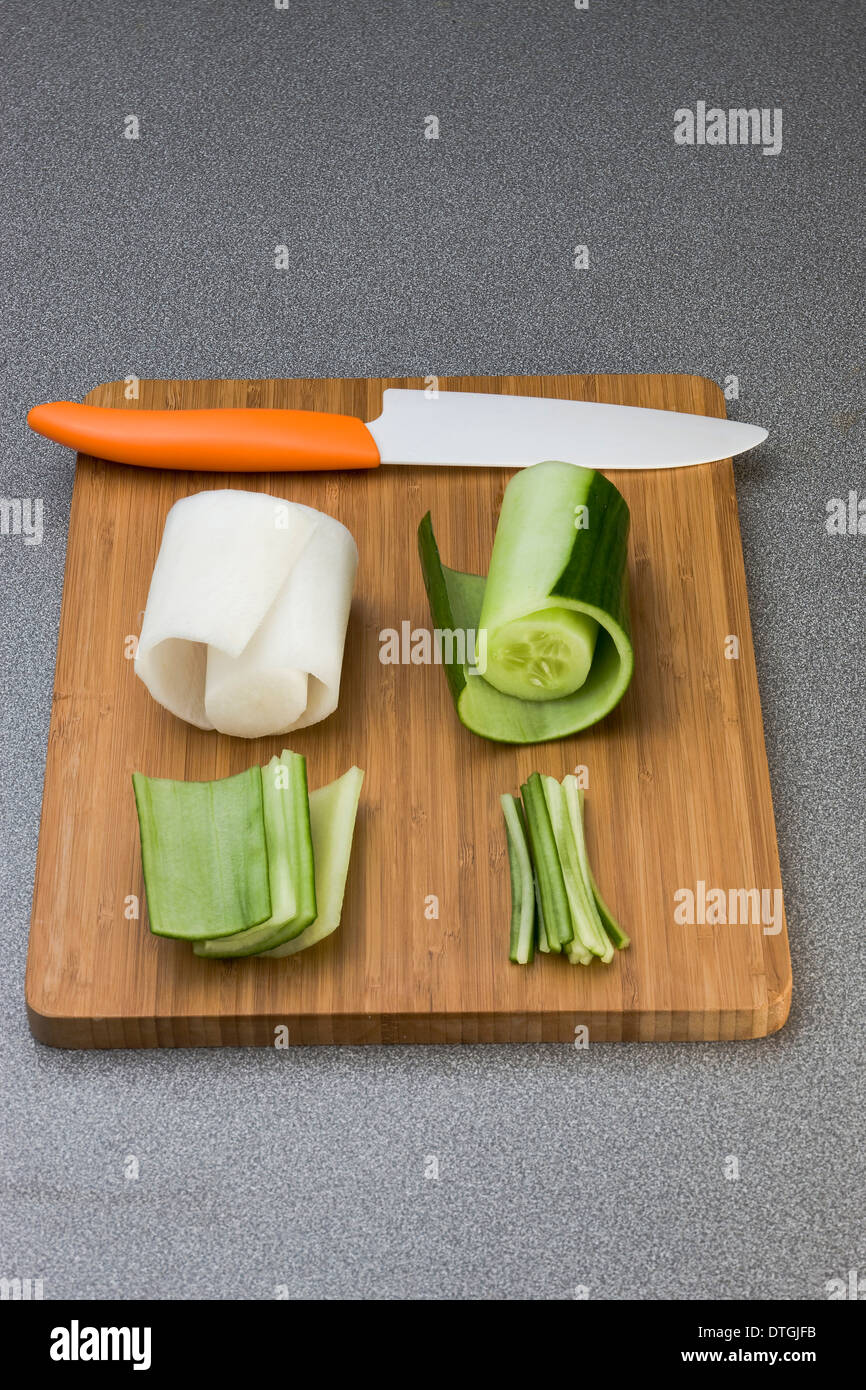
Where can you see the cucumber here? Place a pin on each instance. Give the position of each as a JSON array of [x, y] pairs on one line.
[[333, 810], [554, 608], [543, 656], [551, 879], [540, 929], [204, 854], [522, 943], [537, 650], [551, 885], [286, 807], [589, 938], [574, 803]]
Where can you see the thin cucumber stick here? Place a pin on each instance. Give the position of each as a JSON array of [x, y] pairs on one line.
[[613, 931], [551, 885], [619, 938], [540, 929], [577, 949], [589, 938], [574, 804], [522, 886]]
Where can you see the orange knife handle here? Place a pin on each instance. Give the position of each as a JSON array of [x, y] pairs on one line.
[[215, 441]]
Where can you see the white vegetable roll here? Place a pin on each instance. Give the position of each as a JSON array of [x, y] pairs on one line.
[[247, 612], [288, 676]]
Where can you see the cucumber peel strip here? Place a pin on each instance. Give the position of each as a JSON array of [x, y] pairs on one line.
[[592, 580]]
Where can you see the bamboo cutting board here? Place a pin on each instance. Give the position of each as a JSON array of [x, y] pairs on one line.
[[678, 793]]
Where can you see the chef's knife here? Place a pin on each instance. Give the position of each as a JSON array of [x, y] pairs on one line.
[[465, 428]]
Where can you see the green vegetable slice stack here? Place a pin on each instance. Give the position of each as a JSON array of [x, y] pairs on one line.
[[248, 864], [333, 810], [286, 807], [547, 854], [554, 608]]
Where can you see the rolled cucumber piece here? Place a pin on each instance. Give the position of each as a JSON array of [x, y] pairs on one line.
[[286, 806], [538, 648], [333, 810], [553, 610], [204, 854]]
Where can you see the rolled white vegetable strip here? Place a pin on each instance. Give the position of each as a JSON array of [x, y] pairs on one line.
[[247, 612], [288, 676]]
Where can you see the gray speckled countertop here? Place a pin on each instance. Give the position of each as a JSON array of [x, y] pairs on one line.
[[305, 127]]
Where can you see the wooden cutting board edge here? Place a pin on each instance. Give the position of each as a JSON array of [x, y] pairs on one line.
[[179, 1030]]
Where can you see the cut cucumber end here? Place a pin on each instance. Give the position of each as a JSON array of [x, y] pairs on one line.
[[543, 656]]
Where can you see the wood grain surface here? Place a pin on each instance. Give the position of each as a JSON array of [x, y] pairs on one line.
[[678, 782]]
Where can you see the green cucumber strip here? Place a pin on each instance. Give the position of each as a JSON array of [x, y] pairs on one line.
[[333, 810], [619, 938], [522, 887], [587, 935], [551, 887], [204, 854], [287, 807], [290, 862], [541, 943], [574, 803], [544, 565]]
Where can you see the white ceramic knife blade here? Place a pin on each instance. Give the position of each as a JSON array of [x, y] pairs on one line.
[[473, 429], [455, 428]]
